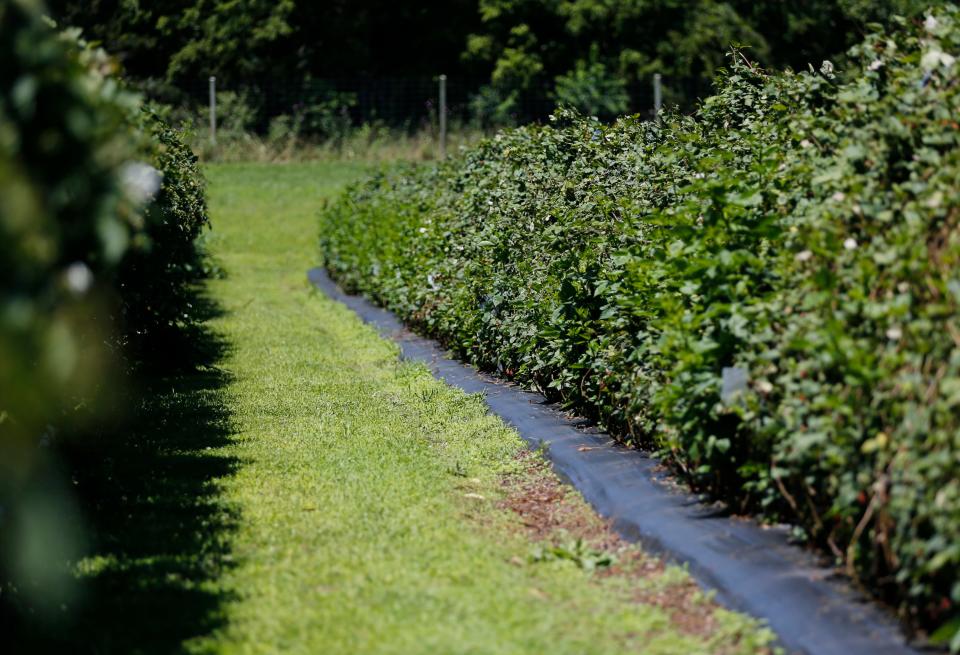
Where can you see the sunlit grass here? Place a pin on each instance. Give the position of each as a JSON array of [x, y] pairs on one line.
[[355, 532]]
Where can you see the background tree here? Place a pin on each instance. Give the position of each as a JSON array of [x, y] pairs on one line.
[[520, 56]]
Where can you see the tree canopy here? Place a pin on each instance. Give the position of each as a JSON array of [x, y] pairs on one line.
[[593, 54]]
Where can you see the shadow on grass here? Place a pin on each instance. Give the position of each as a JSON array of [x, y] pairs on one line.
[[158, 531]]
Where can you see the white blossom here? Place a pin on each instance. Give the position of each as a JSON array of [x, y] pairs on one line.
[[850, 243], [894, 333], [933, 59], [140, 181], [79, 278], [804, 255]]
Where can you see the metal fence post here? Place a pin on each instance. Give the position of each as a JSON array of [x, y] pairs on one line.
[[657, 94], [213, 110], [443, 117]]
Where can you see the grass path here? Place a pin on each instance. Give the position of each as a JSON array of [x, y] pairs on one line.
[[365, 491]]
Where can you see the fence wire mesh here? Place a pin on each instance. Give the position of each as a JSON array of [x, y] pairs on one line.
[[406, 102]]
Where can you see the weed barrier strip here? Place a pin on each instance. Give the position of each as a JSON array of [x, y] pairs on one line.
[[753, 569]]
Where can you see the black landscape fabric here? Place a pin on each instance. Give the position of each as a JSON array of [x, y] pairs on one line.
[[752, 569]]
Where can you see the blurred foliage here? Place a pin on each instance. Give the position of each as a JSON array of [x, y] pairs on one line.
[[100, 206], [766, 291], [65, 217]]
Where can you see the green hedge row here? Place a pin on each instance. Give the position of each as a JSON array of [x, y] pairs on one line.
[[100, 208], [155, 280], [766, 291]]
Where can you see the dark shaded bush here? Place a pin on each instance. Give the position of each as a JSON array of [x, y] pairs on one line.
[[766, 292], [156, 278]]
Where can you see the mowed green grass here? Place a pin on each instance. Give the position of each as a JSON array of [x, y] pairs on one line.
[[365, 490]]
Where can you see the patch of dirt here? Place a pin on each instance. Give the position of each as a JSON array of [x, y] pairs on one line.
[[552, 512]]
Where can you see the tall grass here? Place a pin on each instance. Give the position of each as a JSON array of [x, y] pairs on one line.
[[371, 142]]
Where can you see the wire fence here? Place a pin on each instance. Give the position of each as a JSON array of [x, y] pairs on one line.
[[407, 102], [395, 101]]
